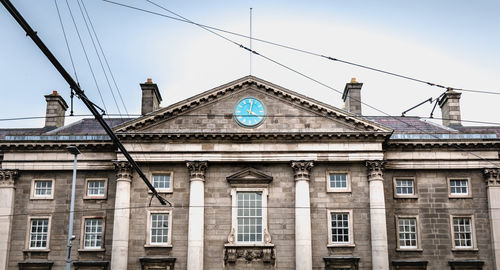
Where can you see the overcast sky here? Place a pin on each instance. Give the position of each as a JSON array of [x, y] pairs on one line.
[[454, 43]]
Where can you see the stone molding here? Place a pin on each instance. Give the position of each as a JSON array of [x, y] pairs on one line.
[[123, 170], [302, 170], [197, 170], [249, 176], [264, 253], [492, 177], [8, 177], [375, 170]]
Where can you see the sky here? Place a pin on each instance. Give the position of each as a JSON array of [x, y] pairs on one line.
[[452, 43]]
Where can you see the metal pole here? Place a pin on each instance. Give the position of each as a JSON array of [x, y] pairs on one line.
[[75, 152]]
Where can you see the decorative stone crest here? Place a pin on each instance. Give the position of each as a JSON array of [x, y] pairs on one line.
[[492, 177], [231, 239], [197, 169], [7, 177], [267, 236], [123, 170], [265, 254], [375, 169], [302, 169]]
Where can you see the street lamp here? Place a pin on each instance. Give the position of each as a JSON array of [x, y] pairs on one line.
[[72, 149]]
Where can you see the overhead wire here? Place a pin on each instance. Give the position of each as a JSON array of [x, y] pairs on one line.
[[98, 57], [105, 58], [86, 56], [66, 40], [181, 19]]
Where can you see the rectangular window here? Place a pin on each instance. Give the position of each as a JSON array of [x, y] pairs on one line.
[[407, 233], [93, 231], [340, 228], [462, 232], [159, 228], [338, 181], [163, 182], [459, 187], [249, 216], [42, 189], [39, 233], [404, 187]]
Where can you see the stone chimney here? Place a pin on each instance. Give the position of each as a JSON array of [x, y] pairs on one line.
[[56, 107], [151, 97], [352, 97], [450, 108]]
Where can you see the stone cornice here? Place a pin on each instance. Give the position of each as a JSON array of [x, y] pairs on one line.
[[7, 177], [375, 169], [260, 85], [123, 170], [426, 144], [492, 177], [56, 145], [302, 169], [197, 169]]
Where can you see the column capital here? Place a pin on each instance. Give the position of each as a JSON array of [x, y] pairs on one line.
[[492, 177], [7, 177], [375, 169], [123, 170], [302, 169], [197, 170]]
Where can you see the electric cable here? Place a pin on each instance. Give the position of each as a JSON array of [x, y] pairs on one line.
[[66, 40], [86, 56], [300, 50]]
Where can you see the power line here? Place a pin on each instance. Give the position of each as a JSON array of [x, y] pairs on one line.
[[182, 19], [66, 40], [105, 58], [86, 56]]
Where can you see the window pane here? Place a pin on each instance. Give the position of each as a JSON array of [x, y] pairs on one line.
[[249, 216], [459, 187], [93, 233], [462, 231], [338, 180], [407, 232], [43, 188], [340, 228], [159, 228], [405, 187], [38, 233], [161, 181], [96, 187]]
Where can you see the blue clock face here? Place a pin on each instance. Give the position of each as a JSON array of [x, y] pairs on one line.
[[249, 112]]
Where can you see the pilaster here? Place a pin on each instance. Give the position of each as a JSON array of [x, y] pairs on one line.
[[7, 181], [196, 226], [492, 178], [119, 252], [303, 246], [378, 226]]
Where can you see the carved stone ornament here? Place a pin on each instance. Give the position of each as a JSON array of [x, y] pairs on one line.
[[123, 170], [302, 169], [197, 169], [7, 177], [267, 236], [266, 254], [492, 177], [375, 169], [231, 239]]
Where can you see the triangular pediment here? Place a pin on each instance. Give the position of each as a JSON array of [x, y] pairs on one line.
[[212, 112], [249, 176]]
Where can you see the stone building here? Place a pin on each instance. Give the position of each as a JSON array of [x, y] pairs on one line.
[[259, 177]]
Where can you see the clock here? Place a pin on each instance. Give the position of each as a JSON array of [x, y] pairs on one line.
[[249, 112]]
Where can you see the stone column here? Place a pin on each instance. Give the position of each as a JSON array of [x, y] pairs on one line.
[[492, 177], [119, 252], [380, 256], [303, 247], [7, 178], [197, 171]]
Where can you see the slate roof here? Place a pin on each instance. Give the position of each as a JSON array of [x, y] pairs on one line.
[[410, 125]]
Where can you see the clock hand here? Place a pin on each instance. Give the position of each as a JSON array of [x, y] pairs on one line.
[[251, 104]]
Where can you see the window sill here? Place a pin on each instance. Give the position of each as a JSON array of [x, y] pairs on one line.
[[459, 196], [339, 191], [465, 249], [341, 245], [249, 245], [162, 191], [409, 249], [95, 198], [158, 246], [41, 198], [405, 196], [91, 249], [36, 250]]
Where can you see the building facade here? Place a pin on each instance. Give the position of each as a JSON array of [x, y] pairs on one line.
[[259, 177]]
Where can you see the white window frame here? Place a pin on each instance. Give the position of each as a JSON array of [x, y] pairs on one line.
[[28, 234], [82, 235], [333, 189], [351, 232], [33, 195], [163, 190], [418, 239], [460, 195], [148, 232], [96, 197], [234, 202], [473, 233], [405, 178]]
